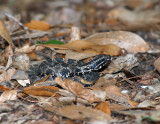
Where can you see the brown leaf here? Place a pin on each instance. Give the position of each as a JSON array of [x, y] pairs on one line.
[[127, 40], [114, 93], [89, 47], [32, 55], [4, 33], [70, 54], [103, 106], [7, 75], [77, 89], [26, 49], [41, 80], [82, 113], [42, 91], [2, 88], [136, 20], [117, 107], [8, 95], [103, 83], [157, 64], [38, 25]]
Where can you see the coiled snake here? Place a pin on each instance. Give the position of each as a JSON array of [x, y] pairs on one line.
[[77, 70]]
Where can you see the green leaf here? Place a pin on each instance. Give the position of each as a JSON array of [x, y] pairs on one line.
[[51, 42]]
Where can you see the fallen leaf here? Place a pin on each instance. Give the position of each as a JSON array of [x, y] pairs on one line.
[[50, 42], [126, 62], [141, 114], [114, 93], [32, 55], [4, 33], [89, 47], [38, 25], [103, 83], [70, 54], [5, 54], [103, 106], [7, 75], [136, 20], [69, 121], [26, 49], [41, 80], [127, 40], [8, 95], [77, 89], [82, 113], [42, 91], [21, 61], [13, 24], [2, 88], [117, 107], [157, 64]]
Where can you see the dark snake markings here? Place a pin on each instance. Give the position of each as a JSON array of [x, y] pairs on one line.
[[77, 70]]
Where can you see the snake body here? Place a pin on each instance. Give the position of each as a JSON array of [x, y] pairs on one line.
[[77, 70]]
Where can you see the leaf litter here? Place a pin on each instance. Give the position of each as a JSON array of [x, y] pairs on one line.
[[127, 90]]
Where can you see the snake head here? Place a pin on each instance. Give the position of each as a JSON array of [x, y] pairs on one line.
[[94, 65], [99, 61]]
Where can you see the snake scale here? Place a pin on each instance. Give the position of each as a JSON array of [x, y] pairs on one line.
[[85, 73]]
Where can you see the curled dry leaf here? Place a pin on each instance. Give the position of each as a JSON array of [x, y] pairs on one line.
[[8, 95], [82, 113], [77, 89], [114, 93], [38, 25], [42, 91], [89, 47], [4, 33], [127, 40]]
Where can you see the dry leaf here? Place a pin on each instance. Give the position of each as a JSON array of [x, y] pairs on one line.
[[127, 40], [5, 54], [77, 89], [103, 83], [117, 107], [42, 91], [7, 75], [157, 64], [32, 55], [136, 20], [38, 25], [103, 106], [8, 95], [41, 80], [114, 93], [4, 33], [82, 113], [2, 88], [89, 47], [70, 54], [25, 49], [21, 61]]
